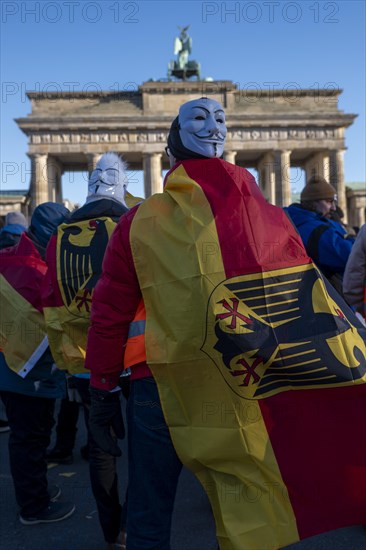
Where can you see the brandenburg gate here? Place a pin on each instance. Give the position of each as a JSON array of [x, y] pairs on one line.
[[269, 130]]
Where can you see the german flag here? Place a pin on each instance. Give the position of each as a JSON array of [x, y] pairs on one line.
[[23, 336], [261, 366], [74, 258]]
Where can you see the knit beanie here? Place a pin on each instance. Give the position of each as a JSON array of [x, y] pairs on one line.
[[317, 189], [16, 218]]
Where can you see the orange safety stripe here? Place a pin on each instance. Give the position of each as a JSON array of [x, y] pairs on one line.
[[135, 348]]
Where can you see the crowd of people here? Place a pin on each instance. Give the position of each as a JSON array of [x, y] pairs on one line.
[[87, 285]]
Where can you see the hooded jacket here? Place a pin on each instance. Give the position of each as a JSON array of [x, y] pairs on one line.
[[325, 240]]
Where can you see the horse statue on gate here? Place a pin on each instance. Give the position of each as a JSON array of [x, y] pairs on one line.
[[182, 68]]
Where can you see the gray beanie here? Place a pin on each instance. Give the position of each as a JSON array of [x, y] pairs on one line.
[[16, 218]]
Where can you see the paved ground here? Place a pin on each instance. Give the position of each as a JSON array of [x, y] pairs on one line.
[[193, 526]]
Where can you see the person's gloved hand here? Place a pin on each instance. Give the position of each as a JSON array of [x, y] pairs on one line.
[[105, 420]]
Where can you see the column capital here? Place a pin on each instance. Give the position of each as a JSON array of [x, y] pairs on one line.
[[266, 156], [152, 155], [37, 155], [337, 154], [93, 156], [282, 151], [229, 156]]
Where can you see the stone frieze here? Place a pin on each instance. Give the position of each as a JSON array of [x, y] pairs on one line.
[[256, 134]]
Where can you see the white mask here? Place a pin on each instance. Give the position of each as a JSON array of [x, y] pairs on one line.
[[202, 127], [109, 179]]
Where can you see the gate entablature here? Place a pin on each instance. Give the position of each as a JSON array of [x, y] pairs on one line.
[[270, 130]]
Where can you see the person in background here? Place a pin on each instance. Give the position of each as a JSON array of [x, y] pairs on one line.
[[29, 379], [68, 294], [326, 241], [354, 279], [337, 215], [15, 225], [66, 428]]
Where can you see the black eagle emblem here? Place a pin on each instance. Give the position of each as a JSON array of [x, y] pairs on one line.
[[273, 334], [81, 265]]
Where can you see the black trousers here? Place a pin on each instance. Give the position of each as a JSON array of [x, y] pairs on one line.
[[66, 427], [31, 421], [103, 478]]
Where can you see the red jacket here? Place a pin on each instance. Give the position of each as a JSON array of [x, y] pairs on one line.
[[115, 302]]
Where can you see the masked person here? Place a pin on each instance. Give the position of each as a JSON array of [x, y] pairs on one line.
[[74, 256], [203, 295], [208, 121], [29, 380]]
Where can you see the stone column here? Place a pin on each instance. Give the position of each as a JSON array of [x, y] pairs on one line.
[[153, 182], [336, 177], [282, 177], [39, 191], [267, 177], [359, 215], [229, 156], [92, 161], [54, 172], [317, 165]]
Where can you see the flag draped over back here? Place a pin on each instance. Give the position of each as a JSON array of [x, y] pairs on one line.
[[260, 365], [74, 257], [22, 329]]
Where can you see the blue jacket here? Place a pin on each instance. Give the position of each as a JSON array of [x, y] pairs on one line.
[[325, 240]]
